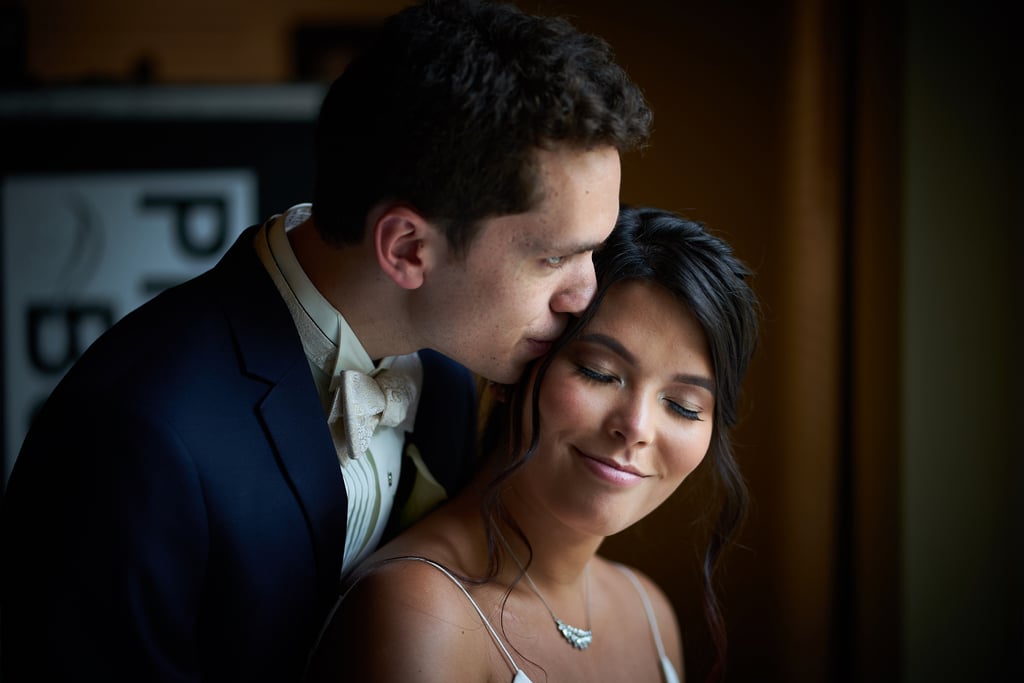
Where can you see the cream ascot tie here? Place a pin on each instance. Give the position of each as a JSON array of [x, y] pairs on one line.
[[361, 403]]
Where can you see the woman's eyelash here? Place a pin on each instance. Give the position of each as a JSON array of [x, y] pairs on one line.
[[594, 375], [685, 412]]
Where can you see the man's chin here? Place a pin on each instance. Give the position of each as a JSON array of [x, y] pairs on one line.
[[508, 373]]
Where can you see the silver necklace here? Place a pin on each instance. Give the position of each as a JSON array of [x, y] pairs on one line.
[[578, 637]]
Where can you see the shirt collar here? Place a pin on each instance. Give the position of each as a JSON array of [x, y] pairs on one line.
[[331, 323]]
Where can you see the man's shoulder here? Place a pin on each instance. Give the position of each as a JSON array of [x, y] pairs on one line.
[[437, 366], [181, 341], [445, 429], [449, 394]]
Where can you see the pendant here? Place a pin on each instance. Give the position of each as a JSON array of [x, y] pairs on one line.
[[577, 637]]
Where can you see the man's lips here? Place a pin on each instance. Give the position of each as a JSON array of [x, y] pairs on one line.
[[539, 346]]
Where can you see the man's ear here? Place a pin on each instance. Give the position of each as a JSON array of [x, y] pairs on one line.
[[404, 242]]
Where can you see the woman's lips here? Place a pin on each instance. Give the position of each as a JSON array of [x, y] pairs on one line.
[[610, 471]]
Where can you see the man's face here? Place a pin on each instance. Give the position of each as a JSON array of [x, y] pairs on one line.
[[512, 294]]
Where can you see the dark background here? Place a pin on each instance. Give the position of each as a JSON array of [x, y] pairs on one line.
[[863, 157]]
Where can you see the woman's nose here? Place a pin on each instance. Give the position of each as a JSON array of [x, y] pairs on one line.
[[632, 421]]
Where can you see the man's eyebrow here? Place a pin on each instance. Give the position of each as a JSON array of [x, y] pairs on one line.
[[566, 249], [582, 247], [613, 345]]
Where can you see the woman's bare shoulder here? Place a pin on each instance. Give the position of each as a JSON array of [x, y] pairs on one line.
[[402, 619], [664, 612]]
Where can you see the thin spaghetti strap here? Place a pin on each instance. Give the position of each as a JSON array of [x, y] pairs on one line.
[[519, 675], [465, 592], [666, 664]]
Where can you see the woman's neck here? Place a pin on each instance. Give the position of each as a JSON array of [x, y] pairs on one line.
[[559, 554], [556, 557]]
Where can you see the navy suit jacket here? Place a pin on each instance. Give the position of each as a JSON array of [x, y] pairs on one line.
[[177, 512]]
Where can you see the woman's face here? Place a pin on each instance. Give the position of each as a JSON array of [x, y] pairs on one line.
[[626, 413]]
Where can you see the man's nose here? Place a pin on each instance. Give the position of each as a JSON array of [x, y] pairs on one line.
[[578, 289]]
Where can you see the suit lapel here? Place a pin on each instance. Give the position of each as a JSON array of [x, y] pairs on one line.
[[269, 348], [296, 425]]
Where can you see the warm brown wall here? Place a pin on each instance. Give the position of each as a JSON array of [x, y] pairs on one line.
[[188, 41]]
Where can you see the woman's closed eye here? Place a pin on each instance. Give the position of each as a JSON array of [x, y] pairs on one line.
[[594, 375]]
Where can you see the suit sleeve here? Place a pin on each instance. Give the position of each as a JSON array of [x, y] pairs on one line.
[[104, 573]]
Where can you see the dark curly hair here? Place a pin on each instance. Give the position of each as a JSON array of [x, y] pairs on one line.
[[700, 270], [445, 108]]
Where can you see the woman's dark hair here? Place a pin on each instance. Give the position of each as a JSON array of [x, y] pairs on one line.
[[700, 270], [444, 112]]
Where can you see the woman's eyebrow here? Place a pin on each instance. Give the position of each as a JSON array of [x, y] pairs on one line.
[[613, 345], [697, 381]]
